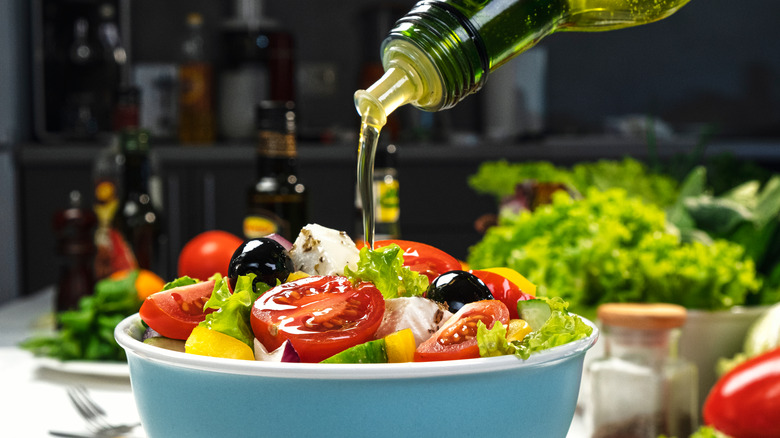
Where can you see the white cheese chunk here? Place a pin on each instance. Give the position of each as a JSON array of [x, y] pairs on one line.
[[420, 314], [323, 251], [262, 354]]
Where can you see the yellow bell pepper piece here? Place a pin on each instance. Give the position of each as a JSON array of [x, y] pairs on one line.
[[400, 346], [515, 277], [517, 329], [297, 275], [206, 342]]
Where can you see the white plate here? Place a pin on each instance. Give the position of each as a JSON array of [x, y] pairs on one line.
[[103, 369]]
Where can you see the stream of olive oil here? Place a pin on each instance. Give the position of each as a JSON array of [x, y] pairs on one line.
[[369, 136]]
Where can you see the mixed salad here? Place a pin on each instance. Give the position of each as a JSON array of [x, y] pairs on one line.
[[323, 299]]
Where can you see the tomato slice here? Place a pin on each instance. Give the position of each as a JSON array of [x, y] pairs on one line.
[[175, 312], [423, 258], [503, 290], [319, 315], [457, 338]]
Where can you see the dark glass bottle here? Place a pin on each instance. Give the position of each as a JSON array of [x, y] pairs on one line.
[[277, 202], [74, 228], [137, 218]]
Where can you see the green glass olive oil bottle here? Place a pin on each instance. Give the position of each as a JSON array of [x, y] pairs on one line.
[[443, 50]]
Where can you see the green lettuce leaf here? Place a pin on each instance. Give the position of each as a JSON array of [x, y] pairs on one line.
[[385, 268], [233, 309], [492, 342], [181, 281], [561, 328]]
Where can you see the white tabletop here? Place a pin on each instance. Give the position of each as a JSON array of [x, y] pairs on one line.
[[34, 399]]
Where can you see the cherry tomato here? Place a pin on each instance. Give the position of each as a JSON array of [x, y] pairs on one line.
[[175, 312], [503, 290], [207, 253], [745, 402], [319, 315], [457, 338], [423, 258]]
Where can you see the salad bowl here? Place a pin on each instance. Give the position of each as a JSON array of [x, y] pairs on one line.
[[186, 395]]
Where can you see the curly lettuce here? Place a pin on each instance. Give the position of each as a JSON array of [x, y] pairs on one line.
[[385, 268], [233, 309], [560, 328], [611, 247]]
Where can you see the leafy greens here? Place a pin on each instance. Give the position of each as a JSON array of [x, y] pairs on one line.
[[610, 247], [560, 328], [385, 268]]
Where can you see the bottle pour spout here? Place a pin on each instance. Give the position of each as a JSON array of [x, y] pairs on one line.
[[393, 90]]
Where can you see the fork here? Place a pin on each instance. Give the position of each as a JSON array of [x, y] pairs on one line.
[[94, 415]]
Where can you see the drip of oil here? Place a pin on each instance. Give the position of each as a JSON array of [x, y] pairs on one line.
[[369, 136]]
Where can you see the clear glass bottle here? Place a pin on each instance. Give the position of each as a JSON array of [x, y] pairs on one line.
[[641, 388], [276, 203], [443, 50]]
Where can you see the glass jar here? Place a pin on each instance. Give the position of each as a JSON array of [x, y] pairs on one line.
[[641, 388]]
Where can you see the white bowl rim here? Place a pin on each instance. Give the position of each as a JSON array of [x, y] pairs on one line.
[[376, 371]]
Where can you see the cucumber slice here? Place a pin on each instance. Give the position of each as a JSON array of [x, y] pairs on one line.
[[367, 352], [534, 312]]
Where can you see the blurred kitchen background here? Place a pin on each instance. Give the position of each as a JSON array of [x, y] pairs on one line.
[[707, 76]]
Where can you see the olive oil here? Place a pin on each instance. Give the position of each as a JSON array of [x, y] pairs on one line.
[[443, 50]]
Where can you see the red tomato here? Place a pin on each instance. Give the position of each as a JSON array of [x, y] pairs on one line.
[[423, 258], [320, 316], [207, 253], [175, 312], [745, 402], [457, 338], [503, 290]]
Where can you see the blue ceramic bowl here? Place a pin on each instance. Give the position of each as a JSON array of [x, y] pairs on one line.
[[184, 395]]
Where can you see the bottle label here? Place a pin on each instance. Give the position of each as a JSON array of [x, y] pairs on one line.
[[276, 144], [387, 204], [262, 224]]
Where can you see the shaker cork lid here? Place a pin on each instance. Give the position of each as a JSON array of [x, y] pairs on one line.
[[642, 316]]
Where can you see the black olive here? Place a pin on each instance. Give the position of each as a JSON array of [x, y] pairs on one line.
[[264, 257], [456, 288]]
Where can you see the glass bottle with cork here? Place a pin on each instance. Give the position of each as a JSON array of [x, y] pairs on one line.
[[276, 203], [641, 388], [196, 101]]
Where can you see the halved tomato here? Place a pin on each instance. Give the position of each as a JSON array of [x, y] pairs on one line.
[[319, 315], [503, 290], [457, 338], [423, 258], [175, 312]]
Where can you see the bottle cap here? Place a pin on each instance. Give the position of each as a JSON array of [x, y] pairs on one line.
[[642, 316]]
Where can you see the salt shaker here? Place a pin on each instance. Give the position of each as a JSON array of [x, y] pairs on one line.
[[641, 388]]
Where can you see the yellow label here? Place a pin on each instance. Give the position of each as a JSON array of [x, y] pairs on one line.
[[387, 205], [105, 191], [257, 226]]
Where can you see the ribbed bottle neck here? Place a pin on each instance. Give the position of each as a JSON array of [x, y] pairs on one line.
[[451, 44]]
